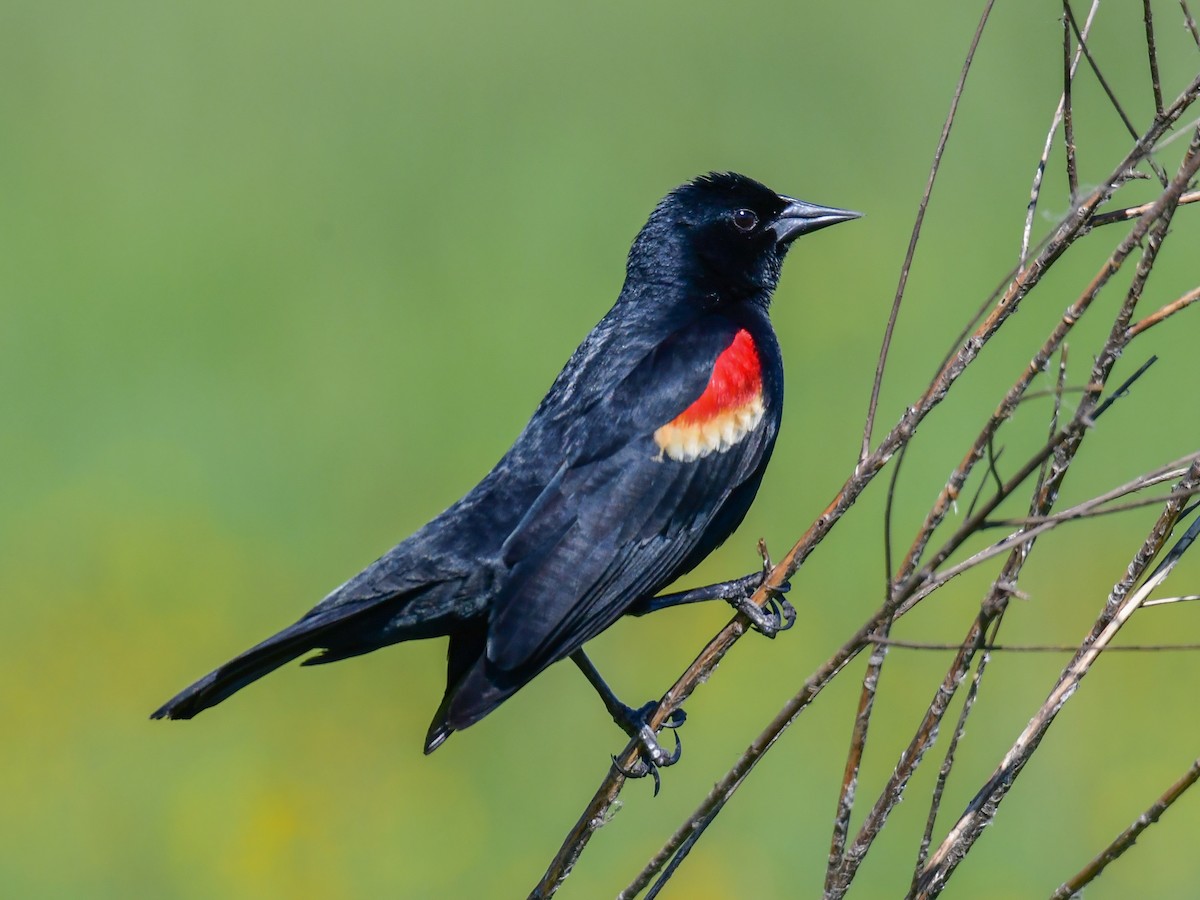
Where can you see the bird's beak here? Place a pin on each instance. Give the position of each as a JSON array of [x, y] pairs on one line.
[[800, 218]]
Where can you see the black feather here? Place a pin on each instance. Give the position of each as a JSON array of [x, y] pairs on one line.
[[585, 515]]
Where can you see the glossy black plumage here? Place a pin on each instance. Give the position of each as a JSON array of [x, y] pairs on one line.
[[585, 515]]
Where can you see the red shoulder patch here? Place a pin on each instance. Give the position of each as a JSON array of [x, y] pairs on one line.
[[730, 407]]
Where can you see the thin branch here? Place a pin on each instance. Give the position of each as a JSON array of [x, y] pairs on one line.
[[599, 808], [927, 730], [1163, 601], [1083, 511], [1190, 21], [948, 760], [1122, 390], [1117, 611], [1153, 225], [1074, 514], [1124, 172], [958, 479], [1007, 406], [1112, 98], [1060, 386], [990, 614], [1125, 839], [1152, 54], [687, 834], [911, 756], [1132, 212], [1172, 138], [983, 484], [992, 647], [1158, 170], [1065, 106], [935, 802], [916, 234], [1169, 310], [858, 738], [1053, 392], [685, 838], [858, 741]]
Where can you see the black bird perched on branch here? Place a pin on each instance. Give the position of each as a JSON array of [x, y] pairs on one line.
[[641, 460]]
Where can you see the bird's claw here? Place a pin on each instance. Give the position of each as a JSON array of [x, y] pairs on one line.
[[776, 615], [651, 755], [782, 612]]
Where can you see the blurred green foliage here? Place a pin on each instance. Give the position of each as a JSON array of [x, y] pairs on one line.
[[280, 282]]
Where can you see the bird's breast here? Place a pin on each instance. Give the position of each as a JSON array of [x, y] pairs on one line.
[[730, 407]]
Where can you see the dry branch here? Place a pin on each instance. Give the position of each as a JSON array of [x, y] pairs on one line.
[[1153, 226], [1169, 310], [1125, 839], [686, 836], [1121, 604], [916, 576], [877, 385]]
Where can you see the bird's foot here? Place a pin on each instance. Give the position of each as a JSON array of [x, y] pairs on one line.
[[774, 616], [651, 754]]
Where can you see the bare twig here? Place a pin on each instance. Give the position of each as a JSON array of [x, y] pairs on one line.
[[837, 882], [1076, 513], [1124, 172], [1052, 392], [674, 851], [1060, 386], [1065, 114], [927, 730], [1153, 223], [1132, 212], [1122, 390], [1112, 97], [1116, 340], [685, 837], [1169, 310], [935, 803], [1163, 601], [1065, 104], [1178, 135], [1040, 359], [858, 740], [1152, 54], [956, 482], [1120, 606], [916, 234], [992, 647], [1009, 299], [1125, 839], [1036, 525], [1190, 21], [910, 758]]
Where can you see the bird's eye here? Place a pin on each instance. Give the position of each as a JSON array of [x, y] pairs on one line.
[[744, 219]]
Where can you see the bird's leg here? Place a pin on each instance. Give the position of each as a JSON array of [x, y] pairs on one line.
[[635, 723], [778, 615], [724, 590]]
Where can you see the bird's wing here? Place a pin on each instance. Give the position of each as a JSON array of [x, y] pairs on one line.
[[621, 516]]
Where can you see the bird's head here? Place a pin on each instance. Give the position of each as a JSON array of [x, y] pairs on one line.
[[726, 234]]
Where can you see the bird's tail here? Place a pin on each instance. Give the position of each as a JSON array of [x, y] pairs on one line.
[[240, 671]]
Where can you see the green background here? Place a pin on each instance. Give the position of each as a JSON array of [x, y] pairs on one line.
[[279, 282]]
